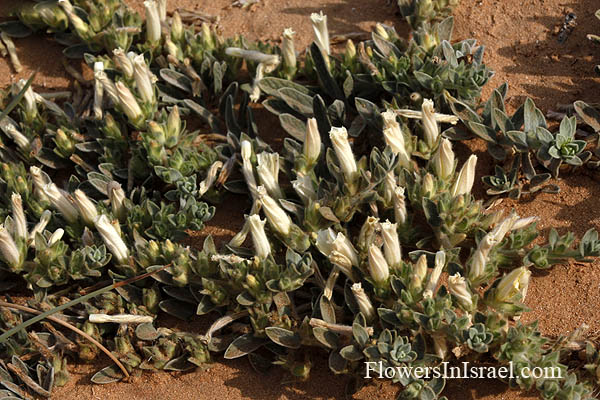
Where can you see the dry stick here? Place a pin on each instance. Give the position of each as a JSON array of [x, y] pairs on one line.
[[12, 52], [71, 327], [3, 51]]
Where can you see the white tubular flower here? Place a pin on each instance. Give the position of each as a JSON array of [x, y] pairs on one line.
[[116, 197], [211, 177], [392, 133], [440, 262], [123, 62], [515, 282], [143, 79], [98, 91], [262, 248], [501, 229], [268, 173], [443, 160], [523, 223], [391, 244], [319, 24], [255, 90], [343, 151], [368, 232], [108, 86], [247, 171], [304, 188], [129, 104], [399, 205], [162, 10], [87, 208], [40, 180], [378, 266], [59, 201], [11, 131], [312, 141], [479, 259], [419, 272], [9, 250], [457, 285], [153, 28], [276, 216], [28, 98], [430, 126], [364, 304], [174, 122], [120, 319], [112, 239], [56, 236], [389, 187], [269, 60], [40, 226], [20, 223], [344, 247], [466, 177], [338, 249], [288, 50]]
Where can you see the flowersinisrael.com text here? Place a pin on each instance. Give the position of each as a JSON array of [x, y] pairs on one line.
[[462, 371]]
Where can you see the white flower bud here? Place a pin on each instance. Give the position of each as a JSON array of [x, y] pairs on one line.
[[108, 86], [501, 229], [153, 28], [419, 272], [389, 187], [458, 287], [123, 62], [177, 32], [466, 177], [430, 126], [276, 216], [440, 262], [305, 189], [98, 91], [269, 60], [56, 236], [20, 223], [343, 151], [342, 245], [378, 266], [40, 226], [268, 173], [8, 249], [59, 201], [392, 132], [80, 26], [28, 99], [381, 31], [319, 24], [262, 248], [524, 222], [391, 244], [162, 10], [11, 131], [312, 141], [246, 151], [112, 239], [211, 177], [364, 304], [116, 197], [443, 160], [128, 103], [338, 249], [87, 237], [143, 79], [255, 90], [428, 184], [87, 208], [288, 50], [399, 205], [479, 259], [514, 283]]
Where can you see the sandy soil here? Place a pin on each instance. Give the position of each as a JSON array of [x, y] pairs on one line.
[[522, 48]]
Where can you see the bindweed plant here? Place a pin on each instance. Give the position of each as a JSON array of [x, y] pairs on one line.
[[361, 238]]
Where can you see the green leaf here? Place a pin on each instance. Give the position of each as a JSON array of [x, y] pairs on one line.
[[283, 337], [242, 346]]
